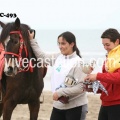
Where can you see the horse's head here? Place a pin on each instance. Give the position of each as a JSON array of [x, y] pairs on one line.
[[15, 37]]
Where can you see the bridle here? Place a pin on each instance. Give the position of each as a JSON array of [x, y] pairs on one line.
[[19, 55]]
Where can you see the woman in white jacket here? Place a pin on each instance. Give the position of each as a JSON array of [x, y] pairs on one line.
[[66, 63]]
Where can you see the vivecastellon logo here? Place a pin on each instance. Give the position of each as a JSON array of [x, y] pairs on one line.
[[40, 62]]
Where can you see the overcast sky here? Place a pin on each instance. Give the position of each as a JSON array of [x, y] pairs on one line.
[[64, 14]]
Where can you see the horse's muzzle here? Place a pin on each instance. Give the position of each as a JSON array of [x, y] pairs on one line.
[[11, 71]]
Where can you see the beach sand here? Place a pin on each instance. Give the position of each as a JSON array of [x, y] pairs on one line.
[[21, 112]]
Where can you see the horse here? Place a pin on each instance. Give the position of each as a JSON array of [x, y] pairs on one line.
[[22, 80]]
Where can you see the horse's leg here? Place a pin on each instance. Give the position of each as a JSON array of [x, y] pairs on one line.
[[34, 109], [8, 109]]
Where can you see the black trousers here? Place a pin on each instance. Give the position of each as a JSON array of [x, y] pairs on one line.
[[109, 112], [69, 114]]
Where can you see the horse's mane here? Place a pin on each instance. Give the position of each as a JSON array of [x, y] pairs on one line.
[[10, 27], [5, 32]]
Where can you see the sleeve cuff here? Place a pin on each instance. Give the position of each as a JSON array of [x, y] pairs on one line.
[[59, 92], [33, 40], [98, 76]]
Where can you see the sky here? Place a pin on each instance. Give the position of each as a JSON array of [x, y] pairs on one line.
[[64, 14]]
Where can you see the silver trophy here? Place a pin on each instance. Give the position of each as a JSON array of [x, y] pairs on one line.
[[69, 82], [96, 85]]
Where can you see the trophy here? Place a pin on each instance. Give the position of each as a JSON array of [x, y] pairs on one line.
[[69, 82], [96, 85]]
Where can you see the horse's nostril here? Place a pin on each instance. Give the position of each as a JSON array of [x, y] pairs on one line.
[[10, 69]]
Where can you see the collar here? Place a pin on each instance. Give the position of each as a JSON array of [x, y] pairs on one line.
[[114, 49], [113, 59], [70, 56]]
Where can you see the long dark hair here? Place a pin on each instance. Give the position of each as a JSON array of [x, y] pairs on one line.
[[70, 37]]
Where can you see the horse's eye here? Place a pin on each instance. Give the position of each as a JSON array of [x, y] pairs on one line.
[[15, 41]]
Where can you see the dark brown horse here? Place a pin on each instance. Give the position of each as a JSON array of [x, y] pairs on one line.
[[22, 80]]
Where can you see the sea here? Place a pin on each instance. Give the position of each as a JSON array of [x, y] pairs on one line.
[[88, 41]]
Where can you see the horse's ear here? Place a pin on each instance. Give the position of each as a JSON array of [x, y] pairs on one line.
[[17, 23], [2, 24]]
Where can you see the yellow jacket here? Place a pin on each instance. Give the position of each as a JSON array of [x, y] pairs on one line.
[[113, 59]]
